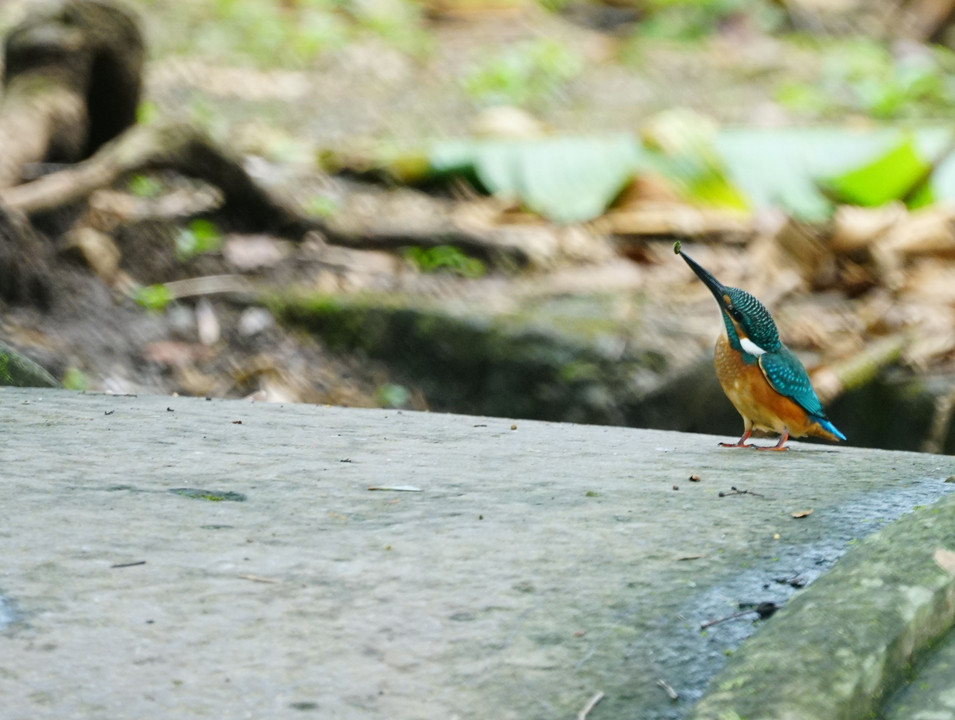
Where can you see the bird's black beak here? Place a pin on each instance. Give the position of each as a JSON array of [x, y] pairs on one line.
[[715, 286]]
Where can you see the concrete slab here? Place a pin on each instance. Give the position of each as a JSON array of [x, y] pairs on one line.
[[842, 646], [930, 693], [190, 558]]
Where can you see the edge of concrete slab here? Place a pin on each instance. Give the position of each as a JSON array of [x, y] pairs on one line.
[[844, 644]]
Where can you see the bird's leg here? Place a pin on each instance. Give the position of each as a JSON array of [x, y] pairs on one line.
[[781, 445], [741, 443]]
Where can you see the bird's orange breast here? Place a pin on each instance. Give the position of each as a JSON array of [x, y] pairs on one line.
[[756, 400]]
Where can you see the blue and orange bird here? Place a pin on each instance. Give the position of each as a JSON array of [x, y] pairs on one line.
[[763, 379]]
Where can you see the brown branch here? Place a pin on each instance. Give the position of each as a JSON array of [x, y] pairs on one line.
[[173, 146], [187, 150]]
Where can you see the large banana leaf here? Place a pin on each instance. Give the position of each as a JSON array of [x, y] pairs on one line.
[[805, 171], [565, 179]]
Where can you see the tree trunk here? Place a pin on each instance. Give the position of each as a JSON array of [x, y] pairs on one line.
[[71, 80]]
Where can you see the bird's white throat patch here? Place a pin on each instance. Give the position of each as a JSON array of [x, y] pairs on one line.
[[751, 347]]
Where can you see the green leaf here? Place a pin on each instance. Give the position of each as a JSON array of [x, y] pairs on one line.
[[75, 379], [154, 298], [200, 236], [892, 175], [712, 187], [392, 395], [445, 257], [321, 206], [806, 170], [688, 140], [205, 231], [144, 186], [923, 196], [776, 167], [147, 112]]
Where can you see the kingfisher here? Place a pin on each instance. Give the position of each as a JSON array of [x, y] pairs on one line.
[[763, 378]]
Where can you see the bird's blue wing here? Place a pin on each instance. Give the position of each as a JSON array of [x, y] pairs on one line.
[[788, 377]]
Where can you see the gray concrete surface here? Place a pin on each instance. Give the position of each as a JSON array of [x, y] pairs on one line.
[[532, 568]]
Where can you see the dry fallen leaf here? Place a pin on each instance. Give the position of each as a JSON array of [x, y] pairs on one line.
[[945, 559], [207, 323], [802, 513], [97, 249], [253, 252], [172, 353]]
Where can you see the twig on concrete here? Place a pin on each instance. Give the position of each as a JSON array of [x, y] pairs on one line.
[[256, 578], [736, 491], [671, 693], [735, 615], [764, 610], [591, 704], [129, 564]]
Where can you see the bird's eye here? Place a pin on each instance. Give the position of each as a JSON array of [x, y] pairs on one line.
[[735, 314]]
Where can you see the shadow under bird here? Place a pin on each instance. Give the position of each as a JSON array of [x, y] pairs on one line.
[[763, 379]]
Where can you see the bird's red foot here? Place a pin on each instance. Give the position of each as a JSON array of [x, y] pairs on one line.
[[741, 443], [780, 446]]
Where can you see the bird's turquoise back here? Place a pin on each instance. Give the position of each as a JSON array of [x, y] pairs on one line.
[[788, 377]]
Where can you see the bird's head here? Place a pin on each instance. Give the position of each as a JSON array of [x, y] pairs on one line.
[[749, 325]]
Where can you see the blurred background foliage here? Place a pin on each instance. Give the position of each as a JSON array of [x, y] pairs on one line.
[[600, 129], [288, 78], [850, 70], [281, 34], [432, 65]]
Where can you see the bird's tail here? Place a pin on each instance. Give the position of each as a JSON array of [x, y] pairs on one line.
[[826, 429]]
